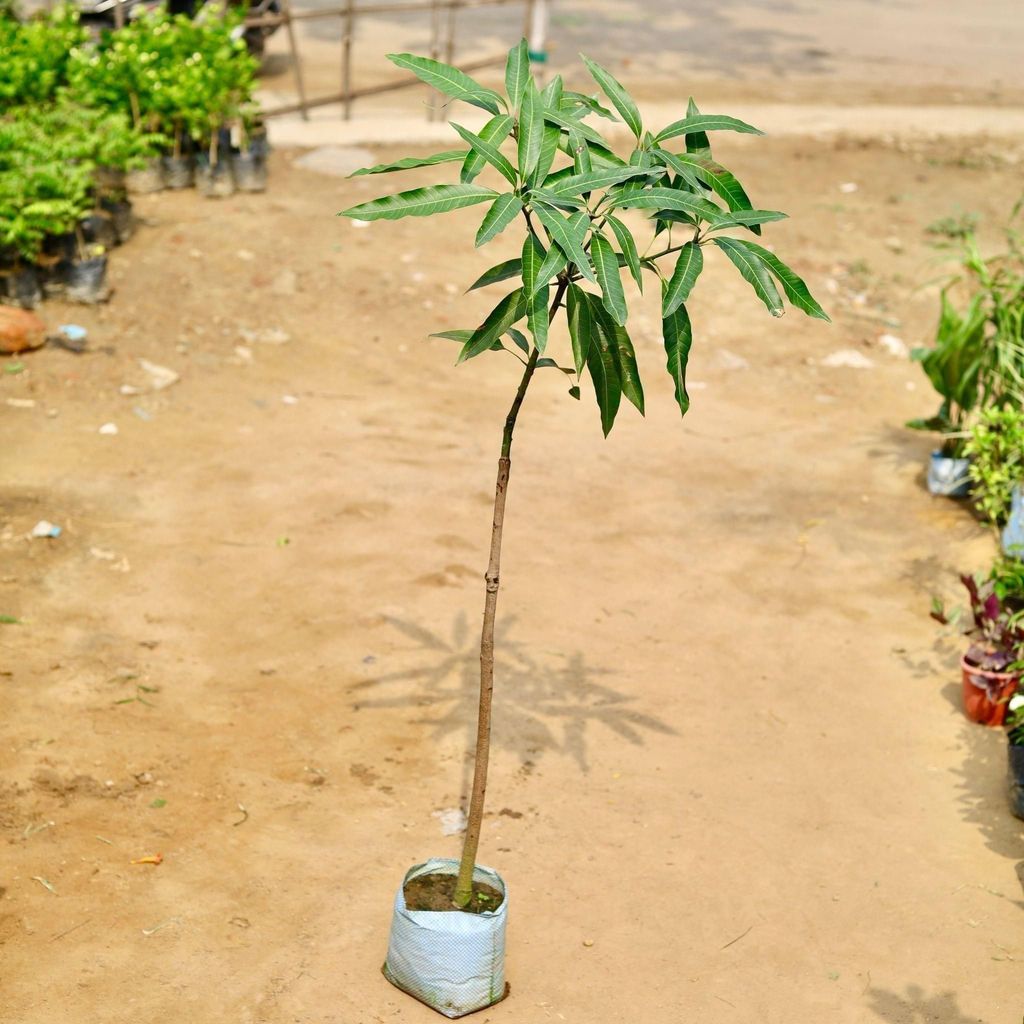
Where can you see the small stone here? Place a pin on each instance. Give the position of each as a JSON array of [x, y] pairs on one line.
[[894, 243], [108, 429], [588, 943], [847, 187], [244, 254], [849, 358], [893, 345]]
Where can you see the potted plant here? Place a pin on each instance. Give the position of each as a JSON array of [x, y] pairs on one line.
[[571, 197], [996, 450], [990, 673], [977, 361], [1015, 751]]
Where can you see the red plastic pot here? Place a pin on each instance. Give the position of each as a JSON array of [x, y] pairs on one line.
[[986, 693]]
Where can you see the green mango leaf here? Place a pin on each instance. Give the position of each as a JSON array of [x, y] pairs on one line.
[[590, 181], [574, 392], [519, 340], [537, 317], [503, 211], [551, 94], [578, 150], [411, 162], [460, 336], [531, 130], [532, 259], [511, 309], [581, 325], [754, 272], [588, 103], [451, 81], [517, 72], [688, 268], [568, 124], [605, 377], [677, 335], [607, 268], [495, 132], [672, 200], [796, 291], [697, 143], [622, 349], [621, 99], [500, 272], [628, 246], [749, 218], [420, 202], [706, 123], [548, 149], [567, 238], [554, 263], [489, 152]]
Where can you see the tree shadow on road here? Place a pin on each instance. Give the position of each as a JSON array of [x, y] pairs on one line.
[[541, 705], [915, 1007]]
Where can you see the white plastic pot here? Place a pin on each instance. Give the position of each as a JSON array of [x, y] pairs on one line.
[[948, 477], [1013, 533], [452, 961]]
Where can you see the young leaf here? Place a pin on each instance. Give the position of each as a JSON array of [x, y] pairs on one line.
[[451, 81], [460, 336], [712, 174], [621, 99], [677, 335], [671, 199], [503, 211], [500, 272], [494, 132], [622, 349], [605, 377], [628, 246], [590, 181], [688, 268], [697, 143], [796, 291], [706, 123], [568, 124], [754, 272], [489, 152], [411, 162], [607, 267], [517, 72], [567, 239], [420, 202], [581, 325], [519, 340], [537, 318], [499, 320], [531, 129], [548, 149]]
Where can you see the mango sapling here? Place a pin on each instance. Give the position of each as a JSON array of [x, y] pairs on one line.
[[562, 183]]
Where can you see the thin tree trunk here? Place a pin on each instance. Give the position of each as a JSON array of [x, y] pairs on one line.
[[464, 884]]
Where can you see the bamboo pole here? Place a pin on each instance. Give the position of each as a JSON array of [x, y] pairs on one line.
[[348, 28], [300, 88]]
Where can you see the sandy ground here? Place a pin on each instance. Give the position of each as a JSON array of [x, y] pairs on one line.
[[729, 751]]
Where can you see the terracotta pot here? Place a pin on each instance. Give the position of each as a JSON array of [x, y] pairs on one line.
[[986, 693]]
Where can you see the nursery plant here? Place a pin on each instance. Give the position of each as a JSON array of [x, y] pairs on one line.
[[578, 207], [977, 360], [996, 450]]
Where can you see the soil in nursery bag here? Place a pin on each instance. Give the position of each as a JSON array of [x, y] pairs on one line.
[[435, 892], [23, 288]]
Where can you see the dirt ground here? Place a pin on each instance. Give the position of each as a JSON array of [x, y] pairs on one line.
[[732, 782]]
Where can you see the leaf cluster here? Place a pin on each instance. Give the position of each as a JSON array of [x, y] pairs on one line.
[[996, 450], [977, 360], [35, 55], [578, 203]]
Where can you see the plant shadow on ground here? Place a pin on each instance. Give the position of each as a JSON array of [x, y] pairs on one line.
[[540, 705], [981, 785], [915, 1007]]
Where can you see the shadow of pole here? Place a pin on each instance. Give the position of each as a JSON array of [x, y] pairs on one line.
[[540, 705]]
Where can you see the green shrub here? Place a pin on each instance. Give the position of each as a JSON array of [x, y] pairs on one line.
[[996, 450], [34, 56]]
